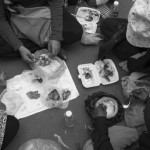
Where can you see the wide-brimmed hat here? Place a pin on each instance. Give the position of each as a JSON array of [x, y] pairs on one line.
[[138, 29]]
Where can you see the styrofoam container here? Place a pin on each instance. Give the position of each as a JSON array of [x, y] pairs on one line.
[[94, 80], [90, 74], [88, 15]]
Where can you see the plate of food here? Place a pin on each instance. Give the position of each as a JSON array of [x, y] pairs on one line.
[[88, 75], [49, 67], [55, 97], [111, 106], [114, 109], [107, 71]]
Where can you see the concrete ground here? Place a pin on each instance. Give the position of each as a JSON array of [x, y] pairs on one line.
[[45, 124]]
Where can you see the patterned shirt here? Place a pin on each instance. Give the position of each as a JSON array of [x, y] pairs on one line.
[[3, 119]]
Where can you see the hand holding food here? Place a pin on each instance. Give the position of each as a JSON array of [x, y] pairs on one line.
[[26, 54]]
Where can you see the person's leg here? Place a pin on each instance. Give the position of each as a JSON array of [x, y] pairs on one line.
[[109, 26], [12, 127], [124, 49], [72, 30]]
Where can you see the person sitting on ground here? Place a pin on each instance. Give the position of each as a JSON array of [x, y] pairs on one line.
[[128, 37], [9, 127], [28, 26], [100, 136]]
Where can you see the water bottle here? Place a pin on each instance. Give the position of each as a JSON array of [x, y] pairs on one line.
[[69, 119], [115, 9]]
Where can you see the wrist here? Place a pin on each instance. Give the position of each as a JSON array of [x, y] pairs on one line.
[[20, 48]]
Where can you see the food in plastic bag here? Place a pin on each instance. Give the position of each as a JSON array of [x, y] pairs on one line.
[[12, 100], [41, 144], [54, 97], [135, 81], [48, 67], [30, 76]]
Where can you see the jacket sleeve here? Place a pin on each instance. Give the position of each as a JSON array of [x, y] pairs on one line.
[[100, 136], [6, 31], [56, 7]]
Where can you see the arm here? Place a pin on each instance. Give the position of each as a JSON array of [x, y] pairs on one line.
[[56, 8], [100, 137], [6, 31]]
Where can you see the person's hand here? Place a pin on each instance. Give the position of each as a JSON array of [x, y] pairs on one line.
[[26, 55], [99, 111], [54, 47], [105, 49], [139, 94]]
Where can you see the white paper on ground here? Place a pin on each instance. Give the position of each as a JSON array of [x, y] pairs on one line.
[[33, 106]]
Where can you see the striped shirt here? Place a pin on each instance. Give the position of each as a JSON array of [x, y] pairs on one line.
[[7, 33]]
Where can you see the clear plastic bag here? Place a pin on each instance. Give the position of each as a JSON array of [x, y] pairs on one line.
[[135, 81], [41, 144], [52, 70]]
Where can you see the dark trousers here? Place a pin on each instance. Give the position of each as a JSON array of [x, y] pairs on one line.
[[12, 127], [124, 49], [72, 32]]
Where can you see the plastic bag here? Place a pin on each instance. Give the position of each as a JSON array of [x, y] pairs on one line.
[[135, 81], [12, 100], [56, 97], [52, 70], [41, 144], [91, 38]]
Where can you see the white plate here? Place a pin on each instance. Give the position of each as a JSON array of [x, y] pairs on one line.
[[110, 103]]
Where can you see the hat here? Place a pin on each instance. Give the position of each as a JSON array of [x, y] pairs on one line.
[[138, 29]]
